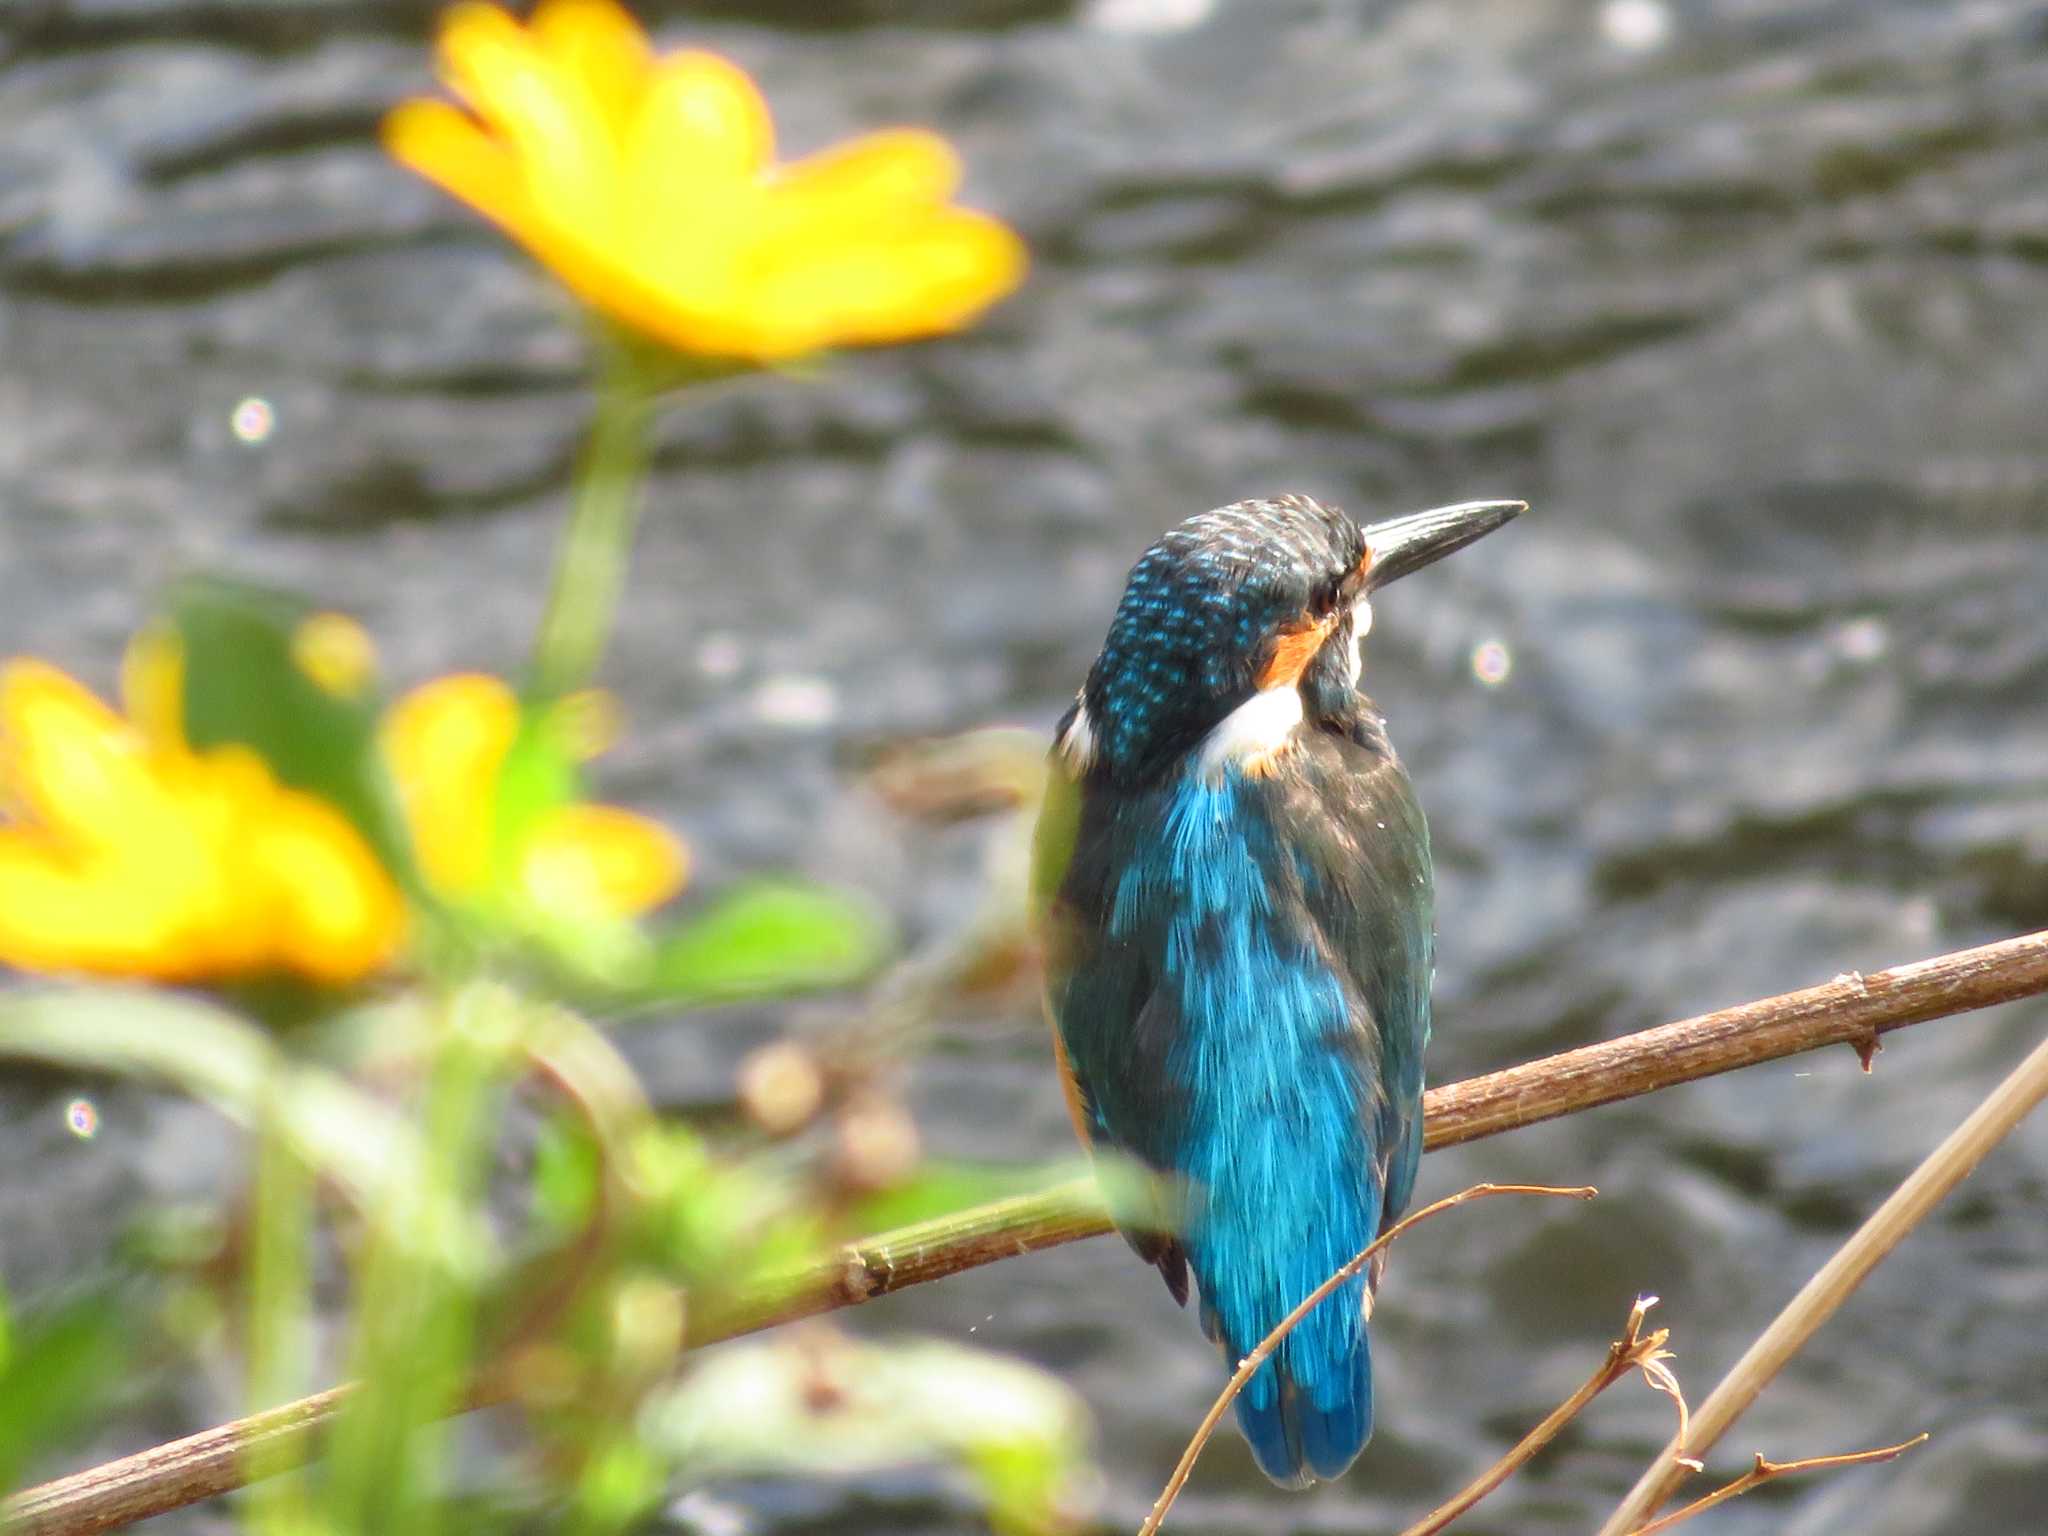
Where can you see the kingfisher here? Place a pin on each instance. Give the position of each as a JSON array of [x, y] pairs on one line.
[[1232, 887]]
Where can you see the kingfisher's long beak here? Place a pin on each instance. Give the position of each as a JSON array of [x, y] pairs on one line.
[[1409, 543]]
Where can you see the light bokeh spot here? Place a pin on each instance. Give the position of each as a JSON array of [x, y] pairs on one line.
[[253, 420], [1492, 661], [1636, 26]]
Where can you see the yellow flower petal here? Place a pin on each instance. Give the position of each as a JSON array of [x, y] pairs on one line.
[[60, 913], [894, 286], [850, 187], [691, 189], [702, 116], [602, 46], [597, 858], [218, 806], [446, 743], [72, 763], [558, 134], [445, 145], [140, 858], [334, 914]]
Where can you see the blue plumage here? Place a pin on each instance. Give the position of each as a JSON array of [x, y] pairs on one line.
[[1235, 894], [1283, 1187]]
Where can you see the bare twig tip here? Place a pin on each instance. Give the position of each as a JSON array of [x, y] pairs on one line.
[[1764, 1470], [1636, 1314]]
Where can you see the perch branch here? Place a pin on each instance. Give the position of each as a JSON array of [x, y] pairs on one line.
[[1764, 1471], [1249, 1365], [1851, 1009], [1945, 1167]]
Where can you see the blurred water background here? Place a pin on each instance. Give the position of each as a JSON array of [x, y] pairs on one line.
[[1750, 300]]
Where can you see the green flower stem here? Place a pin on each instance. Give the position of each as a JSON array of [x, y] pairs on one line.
[[279, 1315], [414, 1309], [590, 564]]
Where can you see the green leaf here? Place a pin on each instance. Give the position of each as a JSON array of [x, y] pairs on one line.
[[619, 1487], [56, 1371], [769, 939], [242, 685], [567, 1175], [822, 1404], [539, 775]]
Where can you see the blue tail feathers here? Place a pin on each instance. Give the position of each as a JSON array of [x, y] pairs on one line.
[[1298, 1435]]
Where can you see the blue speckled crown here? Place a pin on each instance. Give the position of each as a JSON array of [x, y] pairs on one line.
[[1196, 610]]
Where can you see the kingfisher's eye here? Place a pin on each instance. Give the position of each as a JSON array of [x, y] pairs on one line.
[[1322, 601]]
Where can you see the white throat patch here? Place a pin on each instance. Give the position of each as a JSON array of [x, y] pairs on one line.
[[1253, 733], [1077, 745], [1361, 626]]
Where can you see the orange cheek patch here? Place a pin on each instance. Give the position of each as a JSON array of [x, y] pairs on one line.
[[1292, 653]]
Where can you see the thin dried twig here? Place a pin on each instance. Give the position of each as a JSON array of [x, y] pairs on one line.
[[1852, 1009], [1945, 1167], [1764, 1471], [1633, 1351], [1249, 1365]]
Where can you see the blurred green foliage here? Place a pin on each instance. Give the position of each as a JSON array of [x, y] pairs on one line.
[[559, 1261], [458, 1189], [767, 939], [57, 1368]]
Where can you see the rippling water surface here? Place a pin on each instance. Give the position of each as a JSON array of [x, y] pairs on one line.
[[1749, 300]]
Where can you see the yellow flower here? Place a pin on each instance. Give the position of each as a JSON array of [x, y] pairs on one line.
[[448, 743], [648, 184], [336, 653], [128, 854]]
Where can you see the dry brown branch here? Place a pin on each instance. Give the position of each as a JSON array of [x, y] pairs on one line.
[[1854, 1010], [1633, 1351], [1945, 1167], [1249, 1365], [1764, 1471]]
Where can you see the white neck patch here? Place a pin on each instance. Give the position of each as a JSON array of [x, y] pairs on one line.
[[1252, 733], [1077, 745], [1361, 626]]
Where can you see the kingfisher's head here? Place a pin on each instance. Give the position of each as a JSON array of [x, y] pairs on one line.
[[1252, 615]]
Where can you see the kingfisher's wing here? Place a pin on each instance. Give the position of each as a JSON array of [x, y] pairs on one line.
[[1365, 860], [1112, 1025]]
